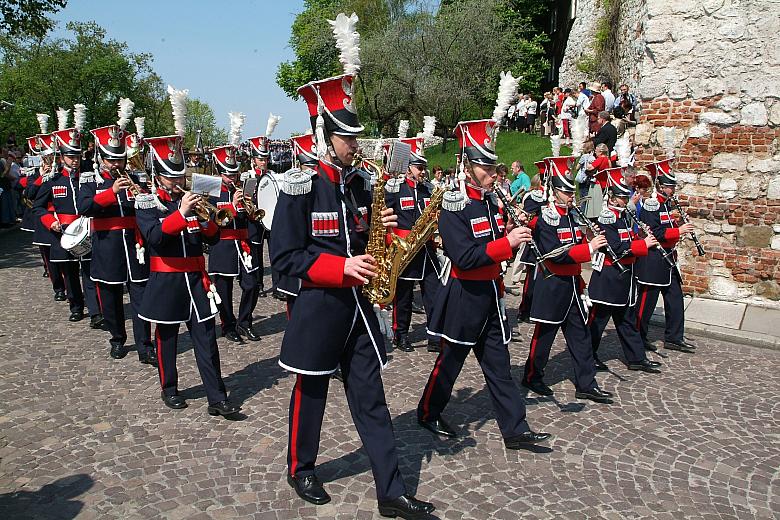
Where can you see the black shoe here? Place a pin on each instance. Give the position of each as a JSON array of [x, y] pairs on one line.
[[45, 273], [96, 321], [338, 375], [600, 365], [148, 358], [651, 347], [417, 308], [175, 401], [434, 345], [538, 387], [59, 296], [263, 294], [223, 408], [232, 335], [406, 506], [645, 365], [689, 342], [309, 488], [438, 426], [280, 296], [117, 351], [76, 316], [679, 346], [595, 394], [249, 332], [403, 344], [525, 439]]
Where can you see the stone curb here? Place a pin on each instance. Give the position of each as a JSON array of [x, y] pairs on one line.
[[754, 339]]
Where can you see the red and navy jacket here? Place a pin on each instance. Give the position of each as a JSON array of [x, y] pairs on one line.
[[474, 239], [29, 184], [608, 286], [228, 256], [118, 250], [178, 287], [653, 269], [321, 218], [555, 228], [408, 203], [532, 204], [41, 235], [56, 201]]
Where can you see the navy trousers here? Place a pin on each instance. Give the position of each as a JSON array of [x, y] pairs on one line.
[[111, 298], [250, 291], [674, 310], [404, 296], [630, 340], [89, 289], [68, 272]]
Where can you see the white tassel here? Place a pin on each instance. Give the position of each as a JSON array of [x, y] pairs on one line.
[[403, 128], [347, 41], [319, 136], [125, 111], [139, 127], [79, 116], [246, 259], [43, 122], [139, 253], [62, 118], [179, 107], [462, 177], [236, 127], [271, 125]]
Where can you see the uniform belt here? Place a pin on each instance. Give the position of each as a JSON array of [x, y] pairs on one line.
[[563, 269], [66, 218], [233, 234], [483, 274], [174, 264], [629, 260], [112, 223], [354, 282], [403, 233]]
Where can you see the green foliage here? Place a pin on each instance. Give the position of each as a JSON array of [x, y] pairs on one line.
[[28, 18], [201, 117]]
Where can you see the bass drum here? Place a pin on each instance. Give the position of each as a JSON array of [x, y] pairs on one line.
[[267, 195], [76, 239]]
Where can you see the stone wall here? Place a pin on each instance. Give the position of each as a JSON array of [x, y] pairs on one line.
[[710, 70]]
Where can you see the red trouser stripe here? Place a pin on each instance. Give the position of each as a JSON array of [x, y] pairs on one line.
[[641, 308], [100, 300], [288, 311], [532, 353], [432, 383], [294, 426], [159, 355], [395, 314], [592, 315]]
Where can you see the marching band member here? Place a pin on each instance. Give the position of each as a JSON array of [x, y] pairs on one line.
[[532, 205], [657, 275], [179, 289], [231, 257], [320, 231], [120, 256], [563, 305], [469, 312], [408, 198], [611, 292]]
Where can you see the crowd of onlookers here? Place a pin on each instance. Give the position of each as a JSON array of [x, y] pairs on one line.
[[12, 160]]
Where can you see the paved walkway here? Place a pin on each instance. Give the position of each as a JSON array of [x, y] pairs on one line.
[[83, 436]]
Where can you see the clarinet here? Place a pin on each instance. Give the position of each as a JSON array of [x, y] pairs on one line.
[[684, 217], [608, 248], [546, 273], [646, 229]]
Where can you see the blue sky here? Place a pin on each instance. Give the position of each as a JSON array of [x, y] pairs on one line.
[[225, 53]]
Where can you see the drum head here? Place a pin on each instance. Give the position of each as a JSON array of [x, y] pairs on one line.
[[267, 195]]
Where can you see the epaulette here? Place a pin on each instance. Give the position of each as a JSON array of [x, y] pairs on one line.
[[146, 201], [86, 177], [394, 185], [537, 195], [493, 198], [607, 216], [47, 176], [296, 182], [428, 184], [551, 216], [453, 201], [246, 175], [368, 179], [651, 204]]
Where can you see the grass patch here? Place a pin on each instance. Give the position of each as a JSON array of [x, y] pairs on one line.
[[512, 146]]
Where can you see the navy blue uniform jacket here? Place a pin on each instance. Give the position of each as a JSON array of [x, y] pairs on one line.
[[225, 257], [653, 269], [55, 200]]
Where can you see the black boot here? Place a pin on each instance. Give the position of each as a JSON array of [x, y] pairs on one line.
[[118, 351]]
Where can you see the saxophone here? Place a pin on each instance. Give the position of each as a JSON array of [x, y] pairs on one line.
[[420, 233]]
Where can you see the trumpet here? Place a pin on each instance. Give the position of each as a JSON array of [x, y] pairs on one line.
[[252, 212], [205, 210], [134, 188]]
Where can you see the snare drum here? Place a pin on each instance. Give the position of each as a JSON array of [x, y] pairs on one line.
[[267, 194], [76, 239]]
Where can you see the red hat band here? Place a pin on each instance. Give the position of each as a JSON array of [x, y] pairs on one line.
[[110, 141], [167, 155], [225, 159], [304, 149], [475, 139], [68, 141], [332, 99], [259, 146]]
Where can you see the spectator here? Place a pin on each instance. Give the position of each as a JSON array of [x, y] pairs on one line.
[[450, 181], [568, 113], [438, 177], [7, 206], [596, 105], [625, 96], [502, 182], [511, 115], [522, 180], [609, 97], [582, 178], [10, 142], [607, 133], [547, 114], [531, 107], [598, 179], [521, 112], [583, 98]]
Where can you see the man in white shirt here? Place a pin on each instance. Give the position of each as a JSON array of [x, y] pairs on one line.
[[531, 114], [609, 97]]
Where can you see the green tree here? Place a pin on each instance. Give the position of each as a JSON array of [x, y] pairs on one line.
[[201, 117], [28, 17]]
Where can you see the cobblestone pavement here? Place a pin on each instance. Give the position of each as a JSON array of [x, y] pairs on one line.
[[85, 436]]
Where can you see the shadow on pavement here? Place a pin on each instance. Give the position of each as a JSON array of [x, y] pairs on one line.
[[55, 500]]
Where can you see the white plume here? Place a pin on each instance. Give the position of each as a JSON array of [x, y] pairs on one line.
[[179, 106], [271, 126], [403, 128], [79, 116], [125, 111], [579, 133], [507, 88], [139, 126], [429, 127], [377, 153], [236, 127], [43, 122], [555, 144], [668, 142], [62, 118], [347, 41], [623, 150]]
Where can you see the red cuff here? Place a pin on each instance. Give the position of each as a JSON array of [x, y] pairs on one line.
[[639, 248], [105, 198], [47, 220], [211, 229], [174, 224], [327, 270], [499, 250], [580, 253], [23, 182], [672, 234], [532, 224]]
